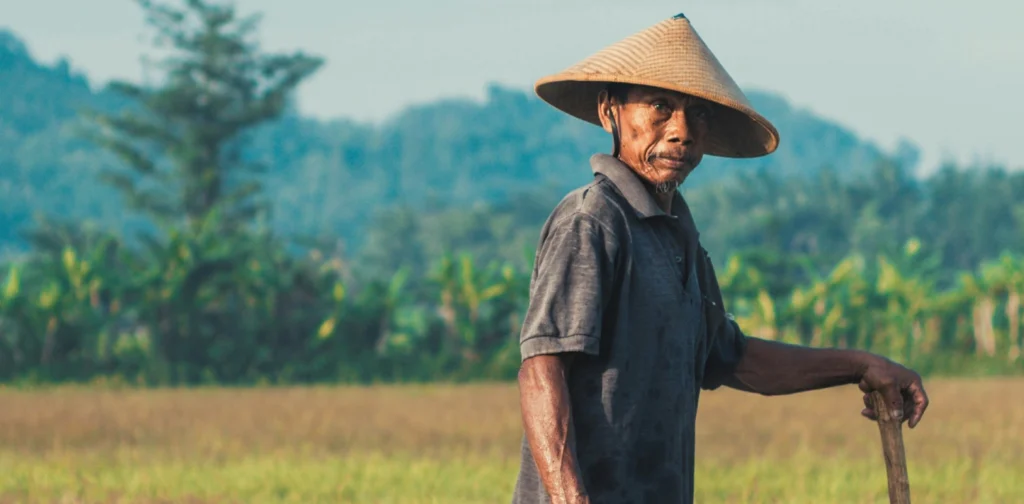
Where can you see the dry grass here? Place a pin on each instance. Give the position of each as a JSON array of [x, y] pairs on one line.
[[460, 444]]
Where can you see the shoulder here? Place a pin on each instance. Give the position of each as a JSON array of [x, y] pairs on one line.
[[595, 206]]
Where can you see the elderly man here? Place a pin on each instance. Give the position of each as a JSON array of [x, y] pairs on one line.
[[625, 324]]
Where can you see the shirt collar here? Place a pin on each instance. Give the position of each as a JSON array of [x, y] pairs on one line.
[[629, 185]]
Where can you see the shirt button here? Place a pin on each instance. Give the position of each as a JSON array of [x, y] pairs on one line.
[[679, 259]]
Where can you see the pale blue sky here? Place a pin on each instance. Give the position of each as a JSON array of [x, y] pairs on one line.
[[945, 75]]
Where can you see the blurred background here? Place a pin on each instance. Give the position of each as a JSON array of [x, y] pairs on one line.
[[351, 192]]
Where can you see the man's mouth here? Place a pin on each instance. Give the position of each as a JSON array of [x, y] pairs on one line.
[[672, 162]]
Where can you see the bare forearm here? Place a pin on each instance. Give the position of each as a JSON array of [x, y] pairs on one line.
[[547, 420], [773, 368]]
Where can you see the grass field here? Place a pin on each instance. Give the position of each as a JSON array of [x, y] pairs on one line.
[[460, 444]]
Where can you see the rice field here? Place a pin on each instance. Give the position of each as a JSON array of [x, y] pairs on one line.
[[459, 444]]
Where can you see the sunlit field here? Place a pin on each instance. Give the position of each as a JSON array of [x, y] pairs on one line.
[[448, 444]]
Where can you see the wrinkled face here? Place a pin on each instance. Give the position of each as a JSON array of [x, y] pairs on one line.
[[663, 134]]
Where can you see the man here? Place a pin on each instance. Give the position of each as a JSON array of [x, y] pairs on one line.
[[625, 324]]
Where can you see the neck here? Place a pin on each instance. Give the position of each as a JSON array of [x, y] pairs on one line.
[[664, 201], [663, 198]]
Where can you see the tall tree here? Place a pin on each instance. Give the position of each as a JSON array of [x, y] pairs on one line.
[[183, 142]]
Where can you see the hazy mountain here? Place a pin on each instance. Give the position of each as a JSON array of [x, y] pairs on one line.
[[329, 177]]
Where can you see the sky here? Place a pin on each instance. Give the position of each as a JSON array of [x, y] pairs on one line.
[[943, 75]]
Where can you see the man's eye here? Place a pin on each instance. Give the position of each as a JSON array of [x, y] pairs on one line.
[[660, 107]]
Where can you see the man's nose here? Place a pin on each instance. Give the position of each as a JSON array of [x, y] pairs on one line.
[[678, 129]]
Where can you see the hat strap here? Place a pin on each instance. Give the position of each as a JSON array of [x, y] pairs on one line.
[[615, 134]]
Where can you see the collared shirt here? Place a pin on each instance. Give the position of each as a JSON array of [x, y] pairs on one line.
[[627, 286]]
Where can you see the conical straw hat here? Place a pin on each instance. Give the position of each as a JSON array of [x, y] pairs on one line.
[[668, 55]]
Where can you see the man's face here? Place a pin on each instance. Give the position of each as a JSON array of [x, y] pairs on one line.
[[662, 133]]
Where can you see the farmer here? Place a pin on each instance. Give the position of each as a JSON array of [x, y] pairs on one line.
[[625, 324]]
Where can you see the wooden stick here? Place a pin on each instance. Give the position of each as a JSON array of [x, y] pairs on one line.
[[892, 447]]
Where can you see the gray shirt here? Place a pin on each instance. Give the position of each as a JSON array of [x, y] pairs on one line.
[[628, 287]]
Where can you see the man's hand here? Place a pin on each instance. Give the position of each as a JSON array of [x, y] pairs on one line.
[[901, 388]]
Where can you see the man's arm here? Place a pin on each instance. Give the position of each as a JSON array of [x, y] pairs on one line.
[[774, 368], [573, 281], [547, 420]]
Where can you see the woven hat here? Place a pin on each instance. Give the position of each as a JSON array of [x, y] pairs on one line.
[[669, 55]]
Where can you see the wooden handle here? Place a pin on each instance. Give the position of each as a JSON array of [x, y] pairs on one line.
[[892, 447]]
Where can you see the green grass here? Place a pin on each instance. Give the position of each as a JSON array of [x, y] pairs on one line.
[[460, 445], [257, 479], [367, 478]]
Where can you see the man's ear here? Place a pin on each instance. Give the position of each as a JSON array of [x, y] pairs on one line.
[[604, 110]]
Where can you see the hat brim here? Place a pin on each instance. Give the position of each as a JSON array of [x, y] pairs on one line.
[[737, 131]]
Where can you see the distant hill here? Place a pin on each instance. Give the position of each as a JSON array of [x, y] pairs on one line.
[[329, 177]]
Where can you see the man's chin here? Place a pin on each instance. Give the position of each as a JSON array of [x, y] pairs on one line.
[[665, 184], [674, 178]]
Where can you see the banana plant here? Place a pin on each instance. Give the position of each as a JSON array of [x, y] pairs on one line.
[[746, 295], [906, 299], [182, 283], [982, 305], [11, 301], [818, 308], [464, 292], [846, 305], [1004, 278], [1015, 271], [393, 300], [64, 311]]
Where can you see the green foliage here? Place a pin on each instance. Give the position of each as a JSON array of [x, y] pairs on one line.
[[197, 309], [967, 215]]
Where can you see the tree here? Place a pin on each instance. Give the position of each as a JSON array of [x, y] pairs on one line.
[[183, 142], [184, 146]]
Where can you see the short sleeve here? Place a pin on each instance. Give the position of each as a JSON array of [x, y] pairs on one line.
[[726, 342], [724, 353], [572, 280]]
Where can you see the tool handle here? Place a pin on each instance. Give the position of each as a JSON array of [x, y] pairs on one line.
[[892, 447]]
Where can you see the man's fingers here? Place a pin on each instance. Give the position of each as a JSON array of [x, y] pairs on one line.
[[869, 414], [919, 403], [865, 387], [869, 408], [908, 411]]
